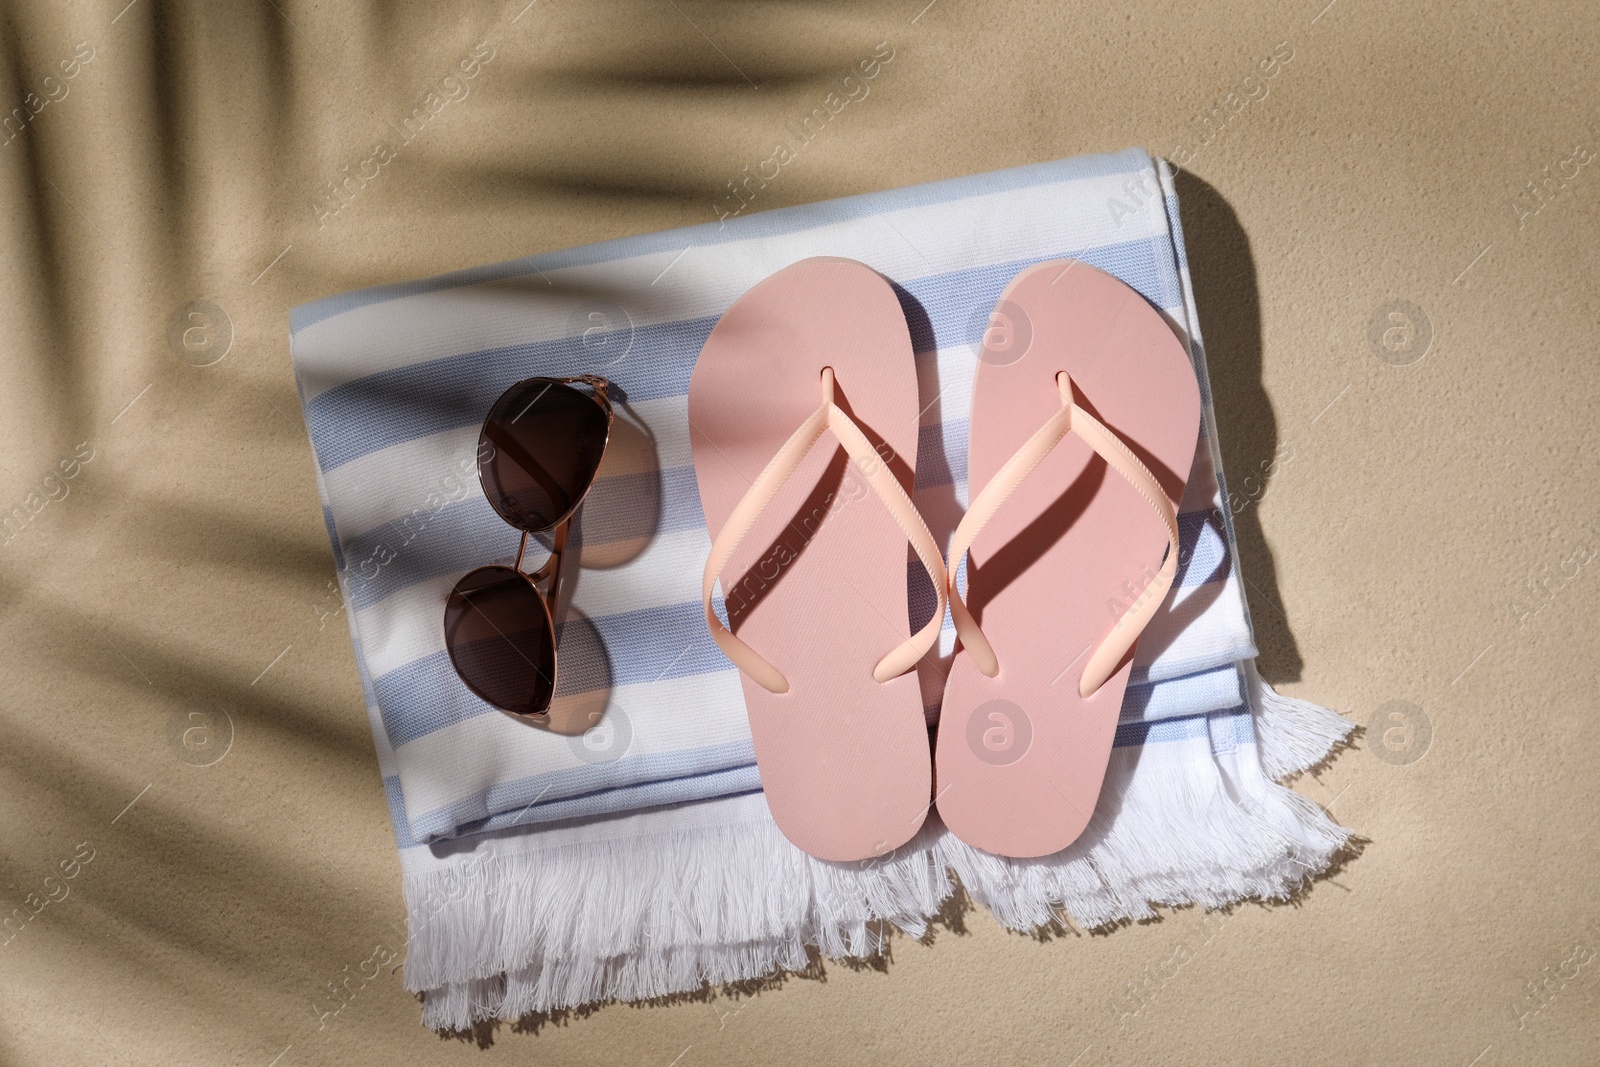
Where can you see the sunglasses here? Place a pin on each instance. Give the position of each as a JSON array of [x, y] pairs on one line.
[[537, 455]]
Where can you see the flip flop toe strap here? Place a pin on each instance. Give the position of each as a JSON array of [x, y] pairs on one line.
[[827, 416], [1126, 630]]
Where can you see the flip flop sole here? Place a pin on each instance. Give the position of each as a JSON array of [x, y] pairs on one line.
[[818, 586], [1021, 756]]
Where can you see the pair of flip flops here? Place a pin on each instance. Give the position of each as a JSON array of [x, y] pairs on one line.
[[1085, 414]]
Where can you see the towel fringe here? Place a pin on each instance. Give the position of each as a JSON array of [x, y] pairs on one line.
[[641, 917], [1293, 735], [1171, 835]]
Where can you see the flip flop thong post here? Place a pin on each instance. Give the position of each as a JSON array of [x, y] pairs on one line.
[[803, 424], [1084, 423]]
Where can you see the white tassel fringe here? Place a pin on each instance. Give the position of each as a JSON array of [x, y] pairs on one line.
[[1293, 735], [654, 914]]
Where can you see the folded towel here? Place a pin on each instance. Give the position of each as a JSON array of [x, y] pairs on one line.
[[396, 381], [701, 887]]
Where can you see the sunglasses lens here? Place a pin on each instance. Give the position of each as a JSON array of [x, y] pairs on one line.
[[539, 450], [500, 639]]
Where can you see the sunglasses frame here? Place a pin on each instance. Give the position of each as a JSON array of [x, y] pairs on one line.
[[550, 570]]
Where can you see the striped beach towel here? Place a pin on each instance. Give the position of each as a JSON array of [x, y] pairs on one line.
[[497, 820]]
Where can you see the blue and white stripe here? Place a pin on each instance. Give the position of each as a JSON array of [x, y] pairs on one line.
[[395, 382]]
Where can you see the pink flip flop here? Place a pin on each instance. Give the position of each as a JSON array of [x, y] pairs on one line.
[[813, 569], [1083, 430]]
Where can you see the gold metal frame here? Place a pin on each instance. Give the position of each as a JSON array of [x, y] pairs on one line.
[[550, 570]]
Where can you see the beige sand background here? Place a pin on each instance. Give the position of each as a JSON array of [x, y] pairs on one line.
[[1381, 166]]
